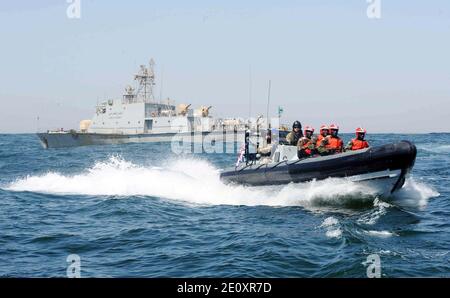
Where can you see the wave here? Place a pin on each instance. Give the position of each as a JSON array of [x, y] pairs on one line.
[[332, 226], [439, 149], [192, 181], [380, 234], [414, 194], [380, 209]]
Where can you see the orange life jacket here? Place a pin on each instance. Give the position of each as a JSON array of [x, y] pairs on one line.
[[319, 140], [335, 144], [305, 143], [358, 144]]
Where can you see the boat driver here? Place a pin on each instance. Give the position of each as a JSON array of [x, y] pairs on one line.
[[265, 152], [267, 149], [295, 135], [359, 142]]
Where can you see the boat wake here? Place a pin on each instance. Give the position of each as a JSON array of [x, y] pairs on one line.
[[198, 182]]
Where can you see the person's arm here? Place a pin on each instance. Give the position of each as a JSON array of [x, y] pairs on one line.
[[289, 138], [349, 146], [322, 147], [300, 143], [341, 146], [312, 144], [265, 150]]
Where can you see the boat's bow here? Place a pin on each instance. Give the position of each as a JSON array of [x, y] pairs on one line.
[[401, 156]]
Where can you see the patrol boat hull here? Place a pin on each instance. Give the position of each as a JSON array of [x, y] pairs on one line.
[[383, 168], [74, 139]]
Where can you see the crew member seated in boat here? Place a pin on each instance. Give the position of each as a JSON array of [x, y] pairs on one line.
[[359, 142], [306, 145], [295, 135], [332, 143], [265, 152], [324, 131], [267, 149]]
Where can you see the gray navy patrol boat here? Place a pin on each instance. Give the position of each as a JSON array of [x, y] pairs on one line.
[[137, 117]]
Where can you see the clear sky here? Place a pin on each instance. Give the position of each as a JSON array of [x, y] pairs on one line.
[[328, 62]]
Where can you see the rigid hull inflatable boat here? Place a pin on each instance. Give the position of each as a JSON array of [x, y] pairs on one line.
[[382, 168]]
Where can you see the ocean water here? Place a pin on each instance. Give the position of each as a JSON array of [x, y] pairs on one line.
[[138, 210]]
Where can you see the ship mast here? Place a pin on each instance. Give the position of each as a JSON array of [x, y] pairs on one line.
[[146, 81]]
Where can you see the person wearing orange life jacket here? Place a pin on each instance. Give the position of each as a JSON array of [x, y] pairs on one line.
[[332, 143], [324, 131], [359, 142], [306, 144]]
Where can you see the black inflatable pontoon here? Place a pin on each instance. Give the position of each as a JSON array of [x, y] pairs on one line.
[[384, 167]]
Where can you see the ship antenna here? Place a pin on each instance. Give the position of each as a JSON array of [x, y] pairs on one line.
[[151, 78], [161, 87], [249, 91], [268, 103]]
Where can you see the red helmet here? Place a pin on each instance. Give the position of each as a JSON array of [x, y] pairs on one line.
[[360, 130], [334, 126], [309, 128], [324, 127]]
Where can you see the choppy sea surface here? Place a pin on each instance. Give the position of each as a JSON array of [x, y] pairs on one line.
[[139, 210]]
